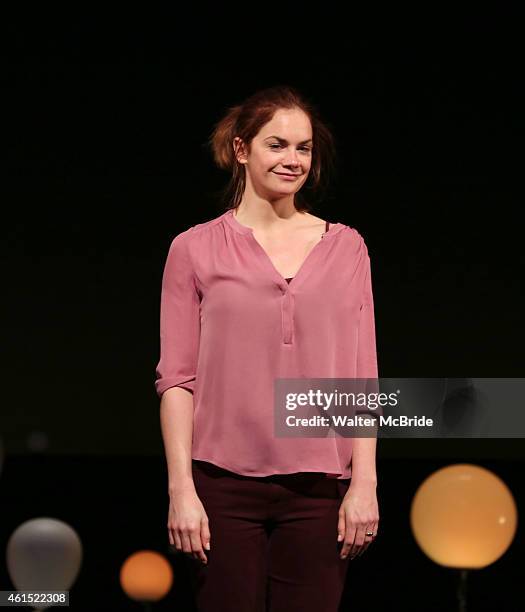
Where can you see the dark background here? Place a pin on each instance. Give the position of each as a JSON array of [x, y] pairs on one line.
[[106, 124]]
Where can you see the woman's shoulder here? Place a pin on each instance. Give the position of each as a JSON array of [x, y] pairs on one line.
[[194, 231], [353, 239]]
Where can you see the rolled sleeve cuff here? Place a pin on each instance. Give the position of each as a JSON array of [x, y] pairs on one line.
[[163, 384]]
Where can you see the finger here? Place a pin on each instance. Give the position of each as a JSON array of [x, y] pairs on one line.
[[359, 540], [178, 541], [196, 545], [186, 542], [362, 550], [354, 549], [349, 540], [367, 543], [372, 527], [341, 528], [205, 535]]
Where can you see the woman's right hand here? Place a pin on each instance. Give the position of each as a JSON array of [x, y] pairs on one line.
[[188, 525]]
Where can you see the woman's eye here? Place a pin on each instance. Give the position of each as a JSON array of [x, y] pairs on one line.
[[278, 145]]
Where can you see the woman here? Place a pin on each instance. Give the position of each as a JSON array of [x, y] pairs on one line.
[[265, 291]]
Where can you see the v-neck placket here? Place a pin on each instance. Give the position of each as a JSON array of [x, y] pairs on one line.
[[287, 289]]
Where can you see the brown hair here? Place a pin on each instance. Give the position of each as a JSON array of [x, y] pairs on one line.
[[246, 119]]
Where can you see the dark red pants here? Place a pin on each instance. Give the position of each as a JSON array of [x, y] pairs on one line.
[[273, 542]]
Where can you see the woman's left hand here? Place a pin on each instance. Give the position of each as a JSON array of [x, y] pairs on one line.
[[358, 514]]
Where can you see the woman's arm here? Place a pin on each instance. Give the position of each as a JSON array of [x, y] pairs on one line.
[[359, 512], [188, 525], [176, 370], [175, 383], [364, 463], [176, 418], [364, 449]]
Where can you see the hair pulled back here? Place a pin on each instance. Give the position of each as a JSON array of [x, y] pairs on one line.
[[245, 121]]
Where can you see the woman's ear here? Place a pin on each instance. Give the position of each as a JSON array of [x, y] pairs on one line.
[[239, 150]]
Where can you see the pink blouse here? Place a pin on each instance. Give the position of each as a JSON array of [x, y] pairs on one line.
[[230, 324]]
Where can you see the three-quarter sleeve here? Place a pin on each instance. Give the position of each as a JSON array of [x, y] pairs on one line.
[[366, 347], [179, 320]]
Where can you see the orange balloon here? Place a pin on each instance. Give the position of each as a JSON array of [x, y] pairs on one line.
[[463, 516], [146, 576]]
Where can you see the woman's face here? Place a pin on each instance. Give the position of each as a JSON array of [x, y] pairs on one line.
[[280, 155]]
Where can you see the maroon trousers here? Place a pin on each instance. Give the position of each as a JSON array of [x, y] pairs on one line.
[[273, 542]]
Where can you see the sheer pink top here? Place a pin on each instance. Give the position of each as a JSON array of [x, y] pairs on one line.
[[230, 324]]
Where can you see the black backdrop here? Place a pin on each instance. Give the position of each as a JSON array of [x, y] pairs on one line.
[[107, 164], [106, 122]]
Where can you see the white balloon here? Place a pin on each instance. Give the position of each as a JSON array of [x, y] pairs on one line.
[[44, 554]]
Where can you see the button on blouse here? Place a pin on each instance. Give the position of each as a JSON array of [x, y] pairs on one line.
[[230, 324]]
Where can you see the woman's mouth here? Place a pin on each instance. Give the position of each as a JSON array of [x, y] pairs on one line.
[[288, 177]]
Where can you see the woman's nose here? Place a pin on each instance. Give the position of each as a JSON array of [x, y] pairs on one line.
[[292, 160]]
